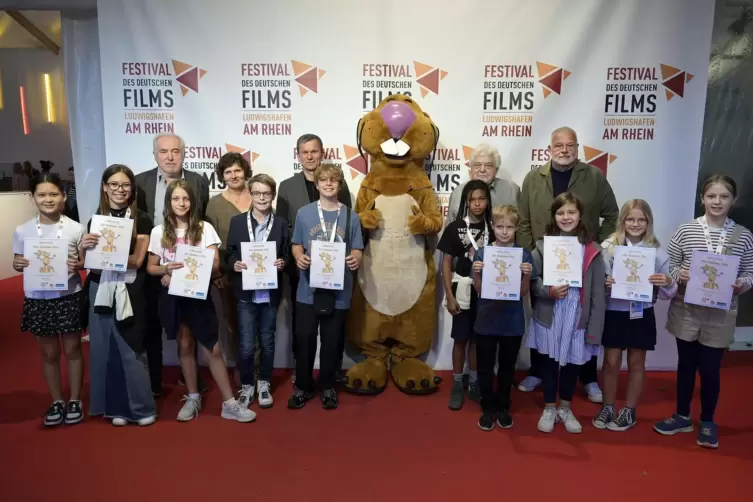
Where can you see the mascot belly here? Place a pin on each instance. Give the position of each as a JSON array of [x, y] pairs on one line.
[[393, 318], [394, 267]]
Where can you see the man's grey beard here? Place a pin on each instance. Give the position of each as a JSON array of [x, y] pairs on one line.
[[560, 167]]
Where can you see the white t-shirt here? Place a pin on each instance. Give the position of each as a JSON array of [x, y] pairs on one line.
[[209, 237], [73, 232]]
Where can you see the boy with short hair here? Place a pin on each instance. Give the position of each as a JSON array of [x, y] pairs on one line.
[[499, 324], [324, 220]]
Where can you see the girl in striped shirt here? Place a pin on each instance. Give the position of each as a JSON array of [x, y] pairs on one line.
[[704, 333]]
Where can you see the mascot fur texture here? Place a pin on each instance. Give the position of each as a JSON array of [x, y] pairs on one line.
[[393, 313]]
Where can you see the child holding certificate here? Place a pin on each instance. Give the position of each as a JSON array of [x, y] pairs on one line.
[[322, 310], [119, 375], [52, 316], [500, 324], [704, 333], [257, 309], [567, 322], [630, 325], [458, 244], [190, 319]]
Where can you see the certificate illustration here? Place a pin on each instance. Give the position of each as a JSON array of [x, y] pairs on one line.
[[563, 261], [327, 265], [500, 279], [47, 270], [631, 269], [192, 281], [114, 244], [712, 278], [259, 258]]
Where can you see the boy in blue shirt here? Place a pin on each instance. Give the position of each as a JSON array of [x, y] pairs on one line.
[[499, 323], [322, 310]]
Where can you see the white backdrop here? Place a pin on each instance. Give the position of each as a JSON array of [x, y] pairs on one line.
[[629, 76]]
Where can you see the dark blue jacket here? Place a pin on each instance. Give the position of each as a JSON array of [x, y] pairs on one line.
[[237, 234]]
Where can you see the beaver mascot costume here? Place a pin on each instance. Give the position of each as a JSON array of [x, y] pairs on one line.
[[393, 314]]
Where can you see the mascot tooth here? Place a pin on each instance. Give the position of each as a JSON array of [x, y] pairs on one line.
[[393, 315]]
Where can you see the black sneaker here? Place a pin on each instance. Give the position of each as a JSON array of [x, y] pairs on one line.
[[486, 422], [624, 421], [74, 413], [55, 415], [329, 399], [299, 398], [504, 419]]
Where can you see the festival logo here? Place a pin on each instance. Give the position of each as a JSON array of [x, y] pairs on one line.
[[267, 96], [598, 158], [509, 99], [632, 99], [385, 79], [444, 168], [539, 157], [359, 166], [329, 156], [148, 95], [202, 159]]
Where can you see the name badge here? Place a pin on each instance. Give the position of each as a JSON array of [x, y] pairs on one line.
[[636, 310], [261, 296]]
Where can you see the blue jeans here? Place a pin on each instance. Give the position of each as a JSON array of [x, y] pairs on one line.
[[256, 318]]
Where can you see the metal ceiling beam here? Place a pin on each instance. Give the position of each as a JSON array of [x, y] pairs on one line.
[[34, 31]]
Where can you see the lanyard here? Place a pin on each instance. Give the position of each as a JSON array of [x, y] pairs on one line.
[[270, 219], [470, 237], [722, 237], [334, 225], [59, 233]]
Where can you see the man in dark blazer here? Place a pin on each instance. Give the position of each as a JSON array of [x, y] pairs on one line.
[[297, 191], [151, 186]]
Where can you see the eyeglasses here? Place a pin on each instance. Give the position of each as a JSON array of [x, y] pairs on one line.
[[487, 167], [262, 195], [114, 185]]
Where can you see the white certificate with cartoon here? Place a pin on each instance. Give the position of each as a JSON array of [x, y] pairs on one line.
[[501, 277], [327, 265], [631, 269], [563, 261], [712, 277], [47, 270], [114, 243], [192, 281], [260, 272]]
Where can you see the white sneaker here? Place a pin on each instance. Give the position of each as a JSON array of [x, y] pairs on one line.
[[147, 421], [119, 422], [594, 393], [246, 396], [265, 396], [565, 416], [547, 420], [234, 410], [529, 384], [190, 410]]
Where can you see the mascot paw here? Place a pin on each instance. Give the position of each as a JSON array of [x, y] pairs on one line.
[[367, 377], [414, 376], [417, 222], [370, 219]]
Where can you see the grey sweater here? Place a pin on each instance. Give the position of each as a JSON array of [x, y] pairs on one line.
[[592, 295]]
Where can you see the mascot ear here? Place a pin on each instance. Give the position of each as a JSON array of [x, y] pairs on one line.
[[359, 132]]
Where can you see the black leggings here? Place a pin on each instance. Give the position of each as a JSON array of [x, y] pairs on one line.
[[556, 379], [693, 357], [507, 356], [587, 373]]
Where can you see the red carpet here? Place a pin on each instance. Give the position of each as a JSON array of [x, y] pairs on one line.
[[390, 447]]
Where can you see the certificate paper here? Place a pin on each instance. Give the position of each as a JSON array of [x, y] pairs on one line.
[[712, 277], [631, 270], [501, 277], [259, 258], [114, 243], [47, 270], [192, 281], [327, 265], [563, 261]]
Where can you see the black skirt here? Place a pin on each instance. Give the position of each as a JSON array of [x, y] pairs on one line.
[[621, 332], [53, 317], [198, 315]]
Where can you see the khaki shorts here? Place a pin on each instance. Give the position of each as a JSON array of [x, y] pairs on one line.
[[710, 327]]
